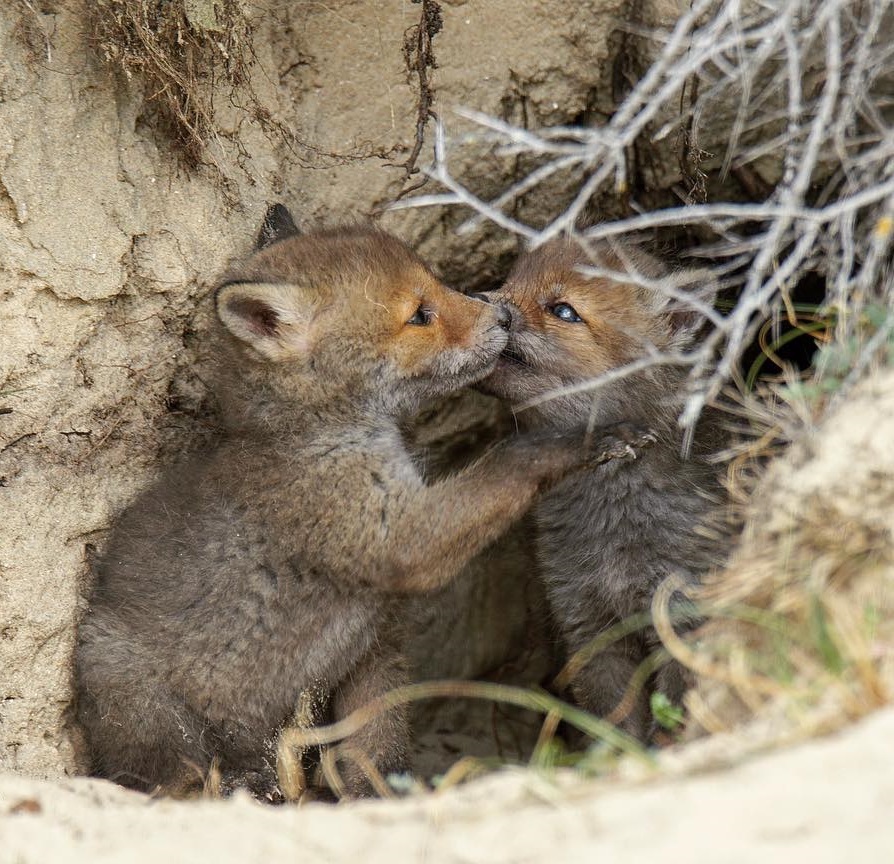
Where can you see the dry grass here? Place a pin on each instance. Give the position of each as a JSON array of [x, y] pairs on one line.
[[181, 50], [799, 626], [799, 633], [296, 739], [192, 58]]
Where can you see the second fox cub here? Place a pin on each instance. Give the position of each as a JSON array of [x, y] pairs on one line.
[[269, 566], [606, 541]]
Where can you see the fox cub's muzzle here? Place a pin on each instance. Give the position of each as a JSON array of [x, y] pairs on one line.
[[504, 316]]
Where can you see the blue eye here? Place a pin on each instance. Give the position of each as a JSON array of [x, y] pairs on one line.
[[565, 313], [421, 317]]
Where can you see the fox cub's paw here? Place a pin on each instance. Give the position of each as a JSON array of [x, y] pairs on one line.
[[619, 441], [261, 785]]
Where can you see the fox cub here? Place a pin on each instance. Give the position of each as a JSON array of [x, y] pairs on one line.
[[605, 541], [271, 565]]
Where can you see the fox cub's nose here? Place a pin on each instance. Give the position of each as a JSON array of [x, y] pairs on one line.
[[504, 316]]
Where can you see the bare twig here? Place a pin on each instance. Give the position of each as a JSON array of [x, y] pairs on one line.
[[804, 80]]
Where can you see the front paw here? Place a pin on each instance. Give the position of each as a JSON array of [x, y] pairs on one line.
[[261, 785], [619, 441]]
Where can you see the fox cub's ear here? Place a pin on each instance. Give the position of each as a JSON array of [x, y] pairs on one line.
[[271, 318], [278, 225]]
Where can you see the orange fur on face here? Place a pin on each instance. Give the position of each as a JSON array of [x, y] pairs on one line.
[[620, 320], [456, 322], [353, 311]]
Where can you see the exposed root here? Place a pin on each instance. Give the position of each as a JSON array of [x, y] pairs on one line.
[[181, 49], [420, 59], [188, 55]]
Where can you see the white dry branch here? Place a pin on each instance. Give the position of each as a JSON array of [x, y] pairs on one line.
[[809, 83]]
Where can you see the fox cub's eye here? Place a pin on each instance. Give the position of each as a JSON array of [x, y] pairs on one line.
[[565, 313], [421, 317]]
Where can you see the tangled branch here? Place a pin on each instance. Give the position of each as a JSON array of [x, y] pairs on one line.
[[807, 82]]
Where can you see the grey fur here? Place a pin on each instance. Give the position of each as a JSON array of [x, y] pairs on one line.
[[275, 563], [607, 539]]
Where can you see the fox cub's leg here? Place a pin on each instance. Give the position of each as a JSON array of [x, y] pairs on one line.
[[603, 683], [600, 686], [384, 740], [143, 737], [478, 505]]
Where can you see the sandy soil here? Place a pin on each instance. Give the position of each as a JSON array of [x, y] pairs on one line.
[[828, 800]]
